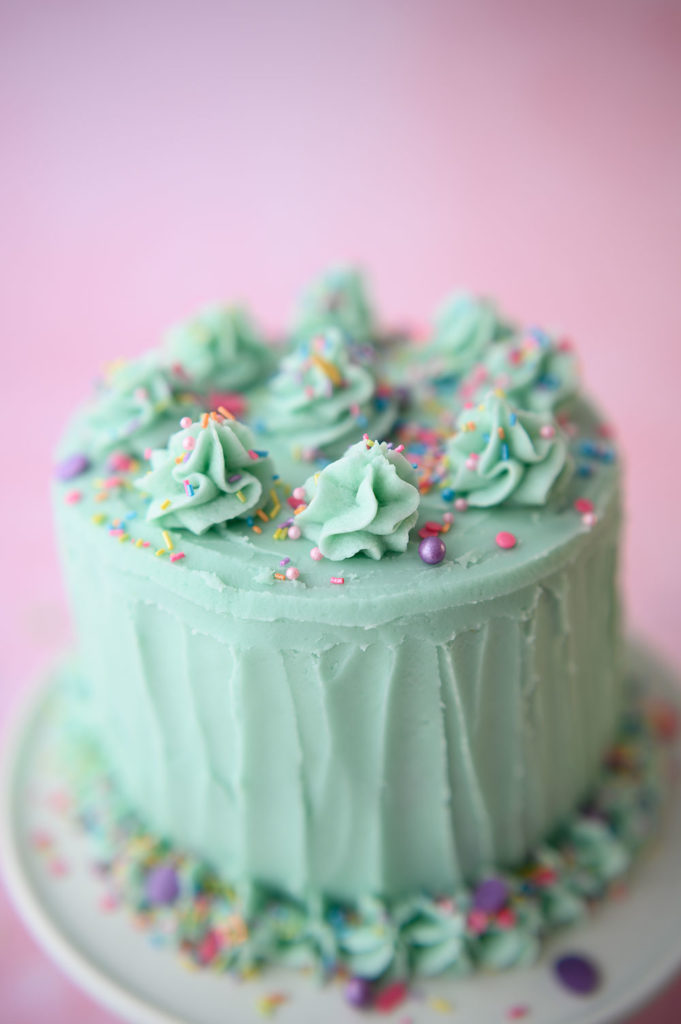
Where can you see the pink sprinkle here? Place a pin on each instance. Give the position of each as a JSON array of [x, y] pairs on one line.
[[547, 431], [176, 556], [146, 543], [113, 481], [505, 918], [354, 409], [400, 448], [292, 573], [147, 453], [583, 505], [73, 497], [460, 504], [517, 1012], [338, 579], [254, 455], [448, 517], [185, 422], [316, 555], [472, 461], [505, 539], [108, 902], [58, 868], [120, 462], [294, 532], [208, 948], [118, 532], [189, 444], [589, 519], [298, 493], [390, 997], [141, 394], [477, 921]]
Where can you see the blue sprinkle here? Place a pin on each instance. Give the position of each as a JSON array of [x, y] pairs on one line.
[[541, 336], [584, 470], [263, 455], [548, 381], [414, 465], [380, 402], [513, 419], [131, 515], [362, 421], [588, 448], [275, 476], [504, 452], [448, 494], [485, 438], [250, 520], [606, 455]]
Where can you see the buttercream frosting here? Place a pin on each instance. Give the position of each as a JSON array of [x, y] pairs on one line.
[[207, 475], [339, 298], [464, 328], [219, 348], [365, 502], [501, 454]]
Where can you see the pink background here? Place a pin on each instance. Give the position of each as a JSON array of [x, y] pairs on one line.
[[158, 155]]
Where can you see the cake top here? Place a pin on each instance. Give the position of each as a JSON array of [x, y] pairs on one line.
[[346, 466]]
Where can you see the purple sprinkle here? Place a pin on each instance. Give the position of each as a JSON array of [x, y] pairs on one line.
[[432, 550], [71, 467], [233, 479], [285, 561], [162, 885], [358, 992], [577, 973], [491, 896]]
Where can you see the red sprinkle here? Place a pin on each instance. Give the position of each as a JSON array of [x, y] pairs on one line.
[[73, 497], [338, 579], [433, 526], [583, 505], [517, 1012], [505, 539], [176, 556], [390, 997]]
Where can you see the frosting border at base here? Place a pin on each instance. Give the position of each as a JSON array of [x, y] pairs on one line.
[[499, 923]]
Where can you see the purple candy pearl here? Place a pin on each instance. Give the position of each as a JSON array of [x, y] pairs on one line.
[[71, 467], [432, 550], [491, 896], [577, 973], [358, 992], [162, 885]]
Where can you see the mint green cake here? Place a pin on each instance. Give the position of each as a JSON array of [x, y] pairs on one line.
[[339, 639]]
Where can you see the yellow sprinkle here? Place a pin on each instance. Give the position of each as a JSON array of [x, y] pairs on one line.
[[481, 407], [139, 542], [276, 503], [165, 504], [98, 518], [168, 541], [161, 551], [500, 393], [123, 537], [262, 515], [279, 534], [256, 528], [241, 496], [316, 478], [331, 371], [440, 1005]]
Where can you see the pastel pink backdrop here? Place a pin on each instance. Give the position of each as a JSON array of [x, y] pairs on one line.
[[157, 155]]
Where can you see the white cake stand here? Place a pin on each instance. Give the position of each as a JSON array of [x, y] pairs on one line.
[[635, 940]]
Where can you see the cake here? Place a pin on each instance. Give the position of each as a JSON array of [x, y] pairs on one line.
[[349, 638]]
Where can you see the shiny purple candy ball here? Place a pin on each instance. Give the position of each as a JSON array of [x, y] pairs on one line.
[[358, 992], [162, 885], [578, 973], [71, 467], [432, 550]]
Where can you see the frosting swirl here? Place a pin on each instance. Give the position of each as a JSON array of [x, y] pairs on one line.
[[206, 476], [321, 398], [464, 328], [499, 454], [219, 348], [536, 372], [339, 298], [133, 410], [366, 502]]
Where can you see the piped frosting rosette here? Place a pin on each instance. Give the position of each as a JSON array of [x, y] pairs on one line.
[[500, 454], [464, 328], [219, 349], [209, 474], [366, 502], [134, 409], [320, 400], [339, 298], [535, 370]]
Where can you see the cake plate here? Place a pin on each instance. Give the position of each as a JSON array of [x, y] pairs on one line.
[[636, 940]]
